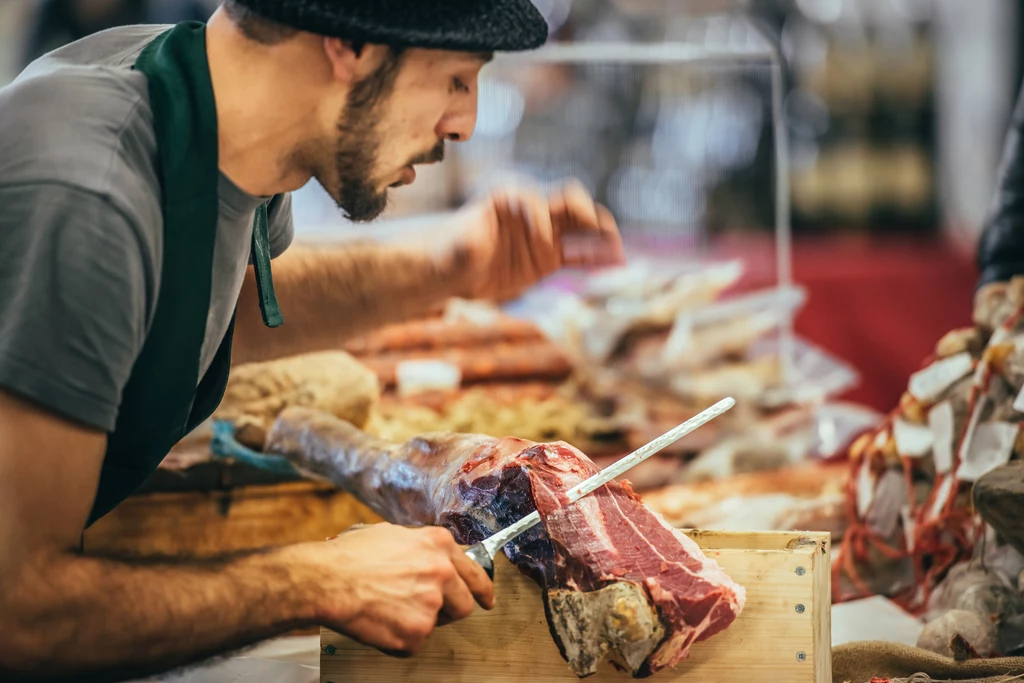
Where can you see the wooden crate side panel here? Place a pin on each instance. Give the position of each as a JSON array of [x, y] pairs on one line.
[[822, 617], [775, 638]]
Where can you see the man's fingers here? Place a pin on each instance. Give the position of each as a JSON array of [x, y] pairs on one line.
[[580, 210], [528, 232], [599, 248], [606, 223], [475, 578], [524, 212], [588, 232], [581, 249], [458, 603], [611, 237], [530, 207]]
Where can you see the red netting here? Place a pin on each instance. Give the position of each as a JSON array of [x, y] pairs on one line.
[[940, 537]]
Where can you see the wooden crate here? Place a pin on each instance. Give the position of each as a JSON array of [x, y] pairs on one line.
[[783, 633]]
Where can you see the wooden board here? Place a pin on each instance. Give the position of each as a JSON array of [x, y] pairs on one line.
[[783, 633], [209, 523]]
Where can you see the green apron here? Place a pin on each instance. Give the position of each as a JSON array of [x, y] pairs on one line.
[[164, 398]]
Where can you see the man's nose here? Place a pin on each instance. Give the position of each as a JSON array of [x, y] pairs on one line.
[[459, 121]]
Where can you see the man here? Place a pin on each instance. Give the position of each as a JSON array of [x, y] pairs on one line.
[[144, 179]]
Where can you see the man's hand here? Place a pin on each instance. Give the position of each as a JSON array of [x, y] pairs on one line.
[[388, 586], [385, 585], [516, 237]]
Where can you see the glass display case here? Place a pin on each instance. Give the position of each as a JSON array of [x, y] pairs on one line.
[[682, 136]]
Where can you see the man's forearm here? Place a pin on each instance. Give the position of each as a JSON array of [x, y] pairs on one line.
[[332, 294], [80, 618]]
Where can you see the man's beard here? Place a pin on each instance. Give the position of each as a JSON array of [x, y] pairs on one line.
[[359, 141]]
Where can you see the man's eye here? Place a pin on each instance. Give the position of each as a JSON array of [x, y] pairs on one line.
[[459, 85]]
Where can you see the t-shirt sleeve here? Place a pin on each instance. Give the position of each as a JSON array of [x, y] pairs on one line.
[[281, 227], [76, 288]]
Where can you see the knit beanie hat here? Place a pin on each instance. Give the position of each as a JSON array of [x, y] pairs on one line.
[[461, 25]]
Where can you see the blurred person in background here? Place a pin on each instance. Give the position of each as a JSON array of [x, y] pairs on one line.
[[1001, 248], [59, 22], [145, 180]]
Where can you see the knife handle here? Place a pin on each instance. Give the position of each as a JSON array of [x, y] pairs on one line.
[[478, 553]]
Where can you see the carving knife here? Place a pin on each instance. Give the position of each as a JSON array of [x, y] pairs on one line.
[[484, 551]]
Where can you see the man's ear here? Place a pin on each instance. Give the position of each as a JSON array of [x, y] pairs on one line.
[[344, 58]]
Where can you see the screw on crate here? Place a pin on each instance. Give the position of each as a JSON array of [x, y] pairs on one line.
[[799, 609], [800, 571], [800, 656]]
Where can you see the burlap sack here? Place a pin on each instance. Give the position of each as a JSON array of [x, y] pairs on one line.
[[860, 662]]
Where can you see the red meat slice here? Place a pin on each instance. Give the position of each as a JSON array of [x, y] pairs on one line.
[[611, 536]]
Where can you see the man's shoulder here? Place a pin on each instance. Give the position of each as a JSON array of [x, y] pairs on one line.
[[80, 116], [87, 125]]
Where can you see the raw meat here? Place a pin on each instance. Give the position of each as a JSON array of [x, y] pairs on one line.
[[440, 333], [606, 552], [501, 361]]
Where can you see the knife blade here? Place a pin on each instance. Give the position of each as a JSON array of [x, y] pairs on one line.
[[483, 552]]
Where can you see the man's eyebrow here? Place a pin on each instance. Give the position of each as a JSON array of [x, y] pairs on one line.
[[484, 57]]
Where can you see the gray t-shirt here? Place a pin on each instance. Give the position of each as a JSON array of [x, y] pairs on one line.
[[81, 230]]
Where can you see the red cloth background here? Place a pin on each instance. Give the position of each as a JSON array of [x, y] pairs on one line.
[[881, 306]]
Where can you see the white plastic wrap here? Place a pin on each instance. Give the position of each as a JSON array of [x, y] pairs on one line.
[[815, 375], [707, 334], [999, 557], [890, 498], [837, 423], [991, 447], [654, 289], [797, 435], [912, 440], [773, 511], [593, 319], [976, 630], [669, 326], [969, 586]]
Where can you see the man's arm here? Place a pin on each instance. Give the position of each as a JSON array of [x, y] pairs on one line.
[[493, 249], [69, 616], [74, 616], [328, 295]]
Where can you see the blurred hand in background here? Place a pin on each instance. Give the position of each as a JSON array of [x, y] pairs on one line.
[[515, 237]]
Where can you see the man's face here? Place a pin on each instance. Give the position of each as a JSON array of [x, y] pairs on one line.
[[398, 117]]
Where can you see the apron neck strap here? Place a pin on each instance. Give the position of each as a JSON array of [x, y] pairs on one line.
[[269, 307]]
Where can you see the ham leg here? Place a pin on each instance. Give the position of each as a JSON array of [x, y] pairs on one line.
[[620, 583]]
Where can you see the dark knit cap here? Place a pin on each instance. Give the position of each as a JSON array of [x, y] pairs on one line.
[[464, 25]]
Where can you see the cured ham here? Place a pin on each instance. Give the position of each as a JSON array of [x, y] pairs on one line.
[[620, 584]]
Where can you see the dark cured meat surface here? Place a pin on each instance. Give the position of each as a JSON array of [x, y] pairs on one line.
[[475, 485]]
